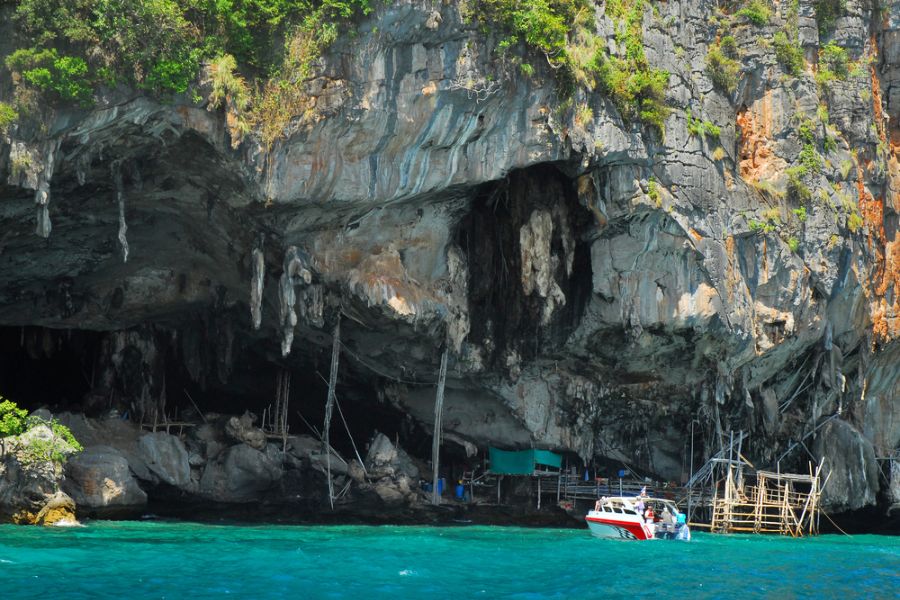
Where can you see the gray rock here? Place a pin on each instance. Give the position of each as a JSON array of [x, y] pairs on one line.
[[99, 478], [166, 458], [241, 429], [850, 459], [240, 474]]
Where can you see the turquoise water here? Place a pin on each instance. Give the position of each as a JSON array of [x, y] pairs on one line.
[[188, 560]]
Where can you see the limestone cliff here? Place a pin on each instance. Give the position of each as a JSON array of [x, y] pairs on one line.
[[601, 285]]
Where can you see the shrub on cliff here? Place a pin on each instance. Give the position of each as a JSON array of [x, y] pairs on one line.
[[722, 65], [12, 419], [33, 438]]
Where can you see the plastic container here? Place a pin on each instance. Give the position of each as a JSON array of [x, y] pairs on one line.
[[460, 491], [442, 483]]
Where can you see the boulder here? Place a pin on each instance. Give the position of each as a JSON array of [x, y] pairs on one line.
[[393, 472], [241, 474], [386, 459], [29, 478], [58, 510], [311, 449], [99, 478], [241, 429], [166, 458]]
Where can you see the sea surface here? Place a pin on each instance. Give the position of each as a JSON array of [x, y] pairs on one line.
[[149, 559]]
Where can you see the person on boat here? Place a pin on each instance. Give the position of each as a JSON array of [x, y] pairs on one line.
[[648, 515], [668, 521]]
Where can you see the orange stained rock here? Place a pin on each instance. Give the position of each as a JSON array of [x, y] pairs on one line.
[[755, 155], [695, 234], [732, 277], [876, 104]]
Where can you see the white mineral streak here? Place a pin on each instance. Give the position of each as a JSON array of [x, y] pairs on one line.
[[42, 191], [120, 198], [258, 263], [296, 272]]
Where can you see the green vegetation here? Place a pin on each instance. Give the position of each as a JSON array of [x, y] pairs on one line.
[[788, 53], [854, 222], [561, 30], [810, 160], [771, 220], [787, 42], [12, 418], [637, 89], [797, 190], [8, 116], [722, 64], [827, 13], [794, 244], [701, 128], [159, 46], [834, 63], [653, 192], [800, 213], [15, 421], [757, 12], [62, 78]]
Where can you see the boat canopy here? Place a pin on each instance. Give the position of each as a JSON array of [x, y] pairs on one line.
[[522, 462]]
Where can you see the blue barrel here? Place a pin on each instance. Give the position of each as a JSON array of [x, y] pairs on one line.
[[441, 485], [460, 491]]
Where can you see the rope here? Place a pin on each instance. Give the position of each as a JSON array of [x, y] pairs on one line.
[[833, 523], [382, 373]]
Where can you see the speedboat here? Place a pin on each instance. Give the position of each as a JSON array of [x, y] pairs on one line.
[[623, 518]]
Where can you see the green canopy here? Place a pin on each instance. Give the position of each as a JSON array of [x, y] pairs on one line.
[[522, 462]]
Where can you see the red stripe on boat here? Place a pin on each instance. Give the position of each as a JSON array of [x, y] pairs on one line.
[[636, 529]]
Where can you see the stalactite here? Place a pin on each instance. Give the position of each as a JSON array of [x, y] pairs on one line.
[[296, 271], [42, 191], [120, 199], [258, 263]]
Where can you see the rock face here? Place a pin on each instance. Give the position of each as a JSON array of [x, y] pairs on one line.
[[99, 479], [394, 477], [241, 474], [30, 478], [166, 458], [601, 287]]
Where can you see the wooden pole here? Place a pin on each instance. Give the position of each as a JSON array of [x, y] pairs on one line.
[[329, 404], [438, 417], [350, 435]]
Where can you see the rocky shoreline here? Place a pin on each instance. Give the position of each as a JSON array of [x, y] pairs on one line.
[[225, 471], [618, 292]]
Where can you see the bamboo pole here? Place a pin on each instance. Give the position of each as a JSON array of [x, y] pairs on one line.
[[329, 404], [438, 417]]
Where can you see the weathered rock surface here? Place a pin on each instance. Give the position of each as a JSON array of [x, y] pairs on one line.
[[240, 474], [241, 429], [99, 478], [394, 476], [30, 478], [601, 288], [59, 509], [166, 458]]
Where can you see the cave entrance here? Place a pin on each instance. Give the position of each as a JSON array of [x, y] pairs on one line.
[[526, 241], [47, 367]]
